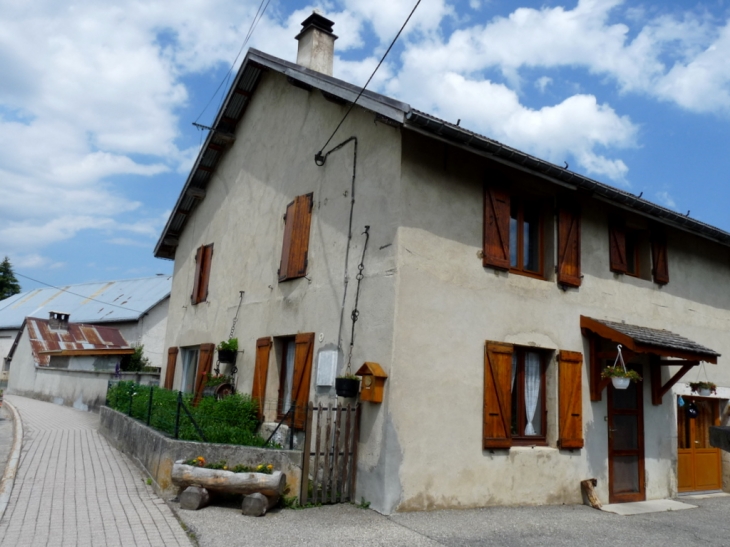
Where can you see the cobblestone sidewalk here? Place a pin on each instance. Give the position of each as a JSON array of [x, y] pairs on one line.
[[73, 489]]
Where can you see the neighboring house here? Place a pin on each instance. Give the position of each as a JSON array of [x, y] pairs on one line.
[[68, 363], [496, 288], [137, 307]]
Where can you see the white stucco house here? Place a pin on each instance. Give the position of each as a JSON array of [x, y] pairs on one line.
[[496, 287], [137, 307]]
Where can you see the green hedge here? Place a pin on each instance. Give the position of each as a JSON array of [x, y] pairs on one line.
[[231, 420]]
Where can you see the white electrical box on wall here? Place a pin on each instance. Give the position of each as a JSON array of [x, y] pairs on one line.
[[326, 367]]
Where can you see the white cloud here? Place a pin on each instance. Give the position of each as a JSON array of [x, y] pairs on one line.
[[665, 199], [542, 82]]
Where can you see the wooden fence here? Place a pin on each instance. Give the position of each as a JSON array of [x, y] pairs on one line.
[[330, 454]]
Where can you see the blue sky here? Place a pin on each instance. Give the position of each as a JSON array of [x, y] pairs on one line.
[[97, 103]]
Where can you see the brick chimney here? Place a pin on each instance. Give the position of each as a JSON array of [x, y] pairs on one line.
[[316, 44]]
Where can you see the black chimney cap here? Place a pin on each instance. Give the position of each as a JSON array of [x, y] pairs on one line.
[[317, 21]]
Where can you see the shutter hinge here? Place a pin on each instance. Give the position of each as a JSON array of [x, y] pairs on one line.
[[284, 217]]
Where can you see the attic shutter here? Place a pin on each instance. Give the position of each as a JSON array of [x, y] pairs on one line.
[[660, 266], [497, 395], [303, 352], [203, 259], [295, 250], [496, 228], [569, 247], [170, 372], [261, 370], [570, 399], [617, 247], [205, 363]]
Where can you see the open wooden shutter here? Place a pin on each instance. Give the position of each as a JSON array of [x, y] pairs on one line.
[[303, 353], [295, 250], [660, 266], [570, 399], [496, 228], [569, 247], [170, 372], [205, 363], [617, 247], [497, 395], [261, 371], [196, 282]]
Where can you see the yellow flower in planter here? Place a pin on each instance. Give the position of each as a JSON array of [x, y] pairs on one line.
[[201, 461], [270, 467]]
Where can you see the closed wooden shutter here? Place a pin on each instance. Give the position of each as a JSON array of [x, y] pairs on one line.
[[170, 372], [569, 247], [260, 373], [570, 399], [205, 364], [295, 249], [660, 266], [303, 354], [496, 228], [617, 247], [497, 395]]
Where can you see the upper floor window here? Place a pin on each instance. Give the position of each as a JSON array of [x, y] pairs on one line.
[[295, 250], [513, 233], [203, 258], [630, 249]]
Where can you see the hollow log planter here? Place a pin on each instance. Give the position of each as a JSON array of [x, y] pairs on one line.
[[227, 482]]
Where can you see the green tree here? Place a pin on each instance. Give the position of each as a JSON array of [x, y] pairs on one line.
[[8, 284]]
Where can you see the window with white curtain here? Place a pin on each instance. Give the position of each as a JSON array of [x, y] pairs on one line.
[[190, 358], [528, 395]]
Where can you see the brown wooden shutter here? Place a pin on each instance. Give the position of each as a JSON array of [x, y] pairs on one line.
[[205, 363], [196, 282], [295, 249], [171, 363], [569, 247], [570, 399], [660, 266], [303, 353], [617, 247], [205, 272], [497, 395], [496, 228], [260, 373]]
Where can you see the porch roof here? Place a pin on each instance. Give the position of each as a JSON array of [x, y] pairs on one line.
[[647, 340]]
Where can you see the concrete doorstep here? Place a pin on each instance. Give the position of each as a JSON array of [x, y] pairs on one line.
[[643, 507]]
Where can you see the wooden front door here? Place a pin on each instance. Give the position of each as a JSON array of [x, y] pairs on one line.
[[626, 444], [699, 465]]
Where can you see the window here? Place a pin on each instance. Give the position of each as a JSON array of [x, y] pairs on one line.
[[515, 410], [629, 252], [203, 258], [286, 376], [528, 395], [513, 233], [525, 238], [295, 250], [189, 369], [295, 372]]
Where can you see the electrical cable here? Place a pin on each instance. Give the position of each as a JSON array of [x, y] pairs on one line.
[[256, 18], [319, 156], [75, 294]]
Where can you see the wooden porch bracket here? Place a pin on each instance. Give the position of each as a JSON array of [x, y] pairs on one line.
[[657, 389]]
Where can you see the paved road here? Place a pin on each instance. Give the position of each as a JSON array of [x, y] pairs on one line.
[[73, 489]]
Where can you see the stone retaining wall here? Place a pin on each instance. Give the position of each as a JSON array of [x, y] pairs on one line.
[[157, 453]]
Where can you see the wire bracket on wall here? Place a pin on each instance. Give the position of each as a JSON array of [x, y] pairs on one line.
[[356, 312]]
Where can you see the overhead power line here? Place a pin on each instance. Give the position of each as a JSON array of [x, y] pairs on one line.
[[319, 157], [73, 293]]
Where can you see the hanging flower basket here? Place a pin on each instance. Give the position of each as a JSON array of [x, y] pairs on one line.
[[620, 376], [704, 389], [347, 386], [227, 350], [620, 383]]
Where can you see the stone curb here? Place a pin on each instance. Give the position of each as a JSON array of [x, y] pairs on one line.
[[11, 467]]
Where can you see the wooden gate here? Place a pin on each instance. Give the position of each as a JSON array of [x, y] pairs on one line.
[[330, 454]]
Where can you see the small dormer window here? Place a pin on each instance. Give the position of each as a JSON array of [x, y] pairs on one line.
[[58, 320]]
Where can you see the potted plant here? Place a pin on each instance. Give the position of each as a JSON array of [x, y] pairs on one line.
[[347, 385], [620, 376], [703, 388], [227, 350]]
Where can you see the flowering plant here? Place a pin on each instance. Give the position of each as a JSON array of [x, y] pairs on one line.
[[697, 386], [616, 371], [265, 468]]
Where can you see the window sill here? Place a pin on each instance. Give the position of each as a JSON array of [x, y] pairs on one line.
[[524, 273], [528, 443]]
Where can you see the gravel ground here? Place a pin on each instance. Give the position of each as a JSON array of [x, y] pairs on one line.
[[569, 525]]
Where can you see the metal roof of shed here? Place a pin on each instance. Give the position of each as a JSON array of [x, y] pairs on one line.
[[101, 302]]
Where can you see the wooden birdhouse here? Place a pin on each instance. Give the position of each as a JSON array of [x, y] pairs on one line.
[[373, 381]]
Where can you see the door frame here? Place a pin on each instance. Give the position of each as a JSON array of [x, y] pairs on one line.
[[693, 452], [639, 412]]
